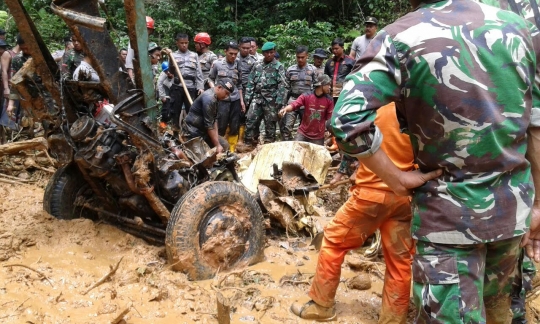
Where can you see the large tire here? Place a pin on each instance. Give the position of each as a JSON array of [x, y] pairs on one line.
[[62, 191], [215, 226]]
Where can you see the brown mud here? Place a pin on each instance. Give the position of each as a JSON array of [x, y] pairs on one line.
[[63, 259]]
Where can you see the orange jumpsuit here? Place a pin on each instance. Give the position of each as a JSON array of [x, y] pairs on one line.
[[373, 206]]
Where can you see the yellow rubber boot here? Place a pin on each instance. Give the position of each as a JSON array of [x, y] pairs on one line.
[[226, 133], [232, 139], [241, 132]]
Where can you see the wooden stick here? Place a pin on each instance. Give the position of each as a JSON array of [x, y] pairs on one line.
[[39, 143], [120, 316], [105, 277], [295, 282], [14, 178], [333, 168], [169, 52], [223, 309], [29, 268], [339, 183], [12, 181]]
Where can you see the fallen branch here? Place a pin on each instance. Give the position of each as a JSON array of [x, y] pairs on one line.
[[335, 185], [39, 143], [104, 278], [15, 182], [15, 178], [13, 313], [295, 282], [29, 268], [120, 316]]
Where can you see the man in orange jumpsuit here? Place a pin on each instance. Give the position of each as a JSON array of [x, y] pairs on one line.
[[372, 206]]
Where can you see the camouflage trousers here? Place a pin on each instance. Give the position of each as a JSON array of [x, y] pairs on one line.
[[522, 284], [259, 110], [464, 283], [286, 124]]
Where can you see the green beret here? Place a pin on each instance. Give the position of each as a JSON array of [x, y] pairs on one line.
[[268, 46]]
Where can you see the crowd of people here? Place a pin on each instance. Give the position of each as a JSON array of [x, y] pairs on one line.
[[442, 106]]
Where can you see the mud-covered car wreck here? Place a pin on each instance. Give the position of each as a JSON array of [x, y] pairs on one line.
[[120, 171]]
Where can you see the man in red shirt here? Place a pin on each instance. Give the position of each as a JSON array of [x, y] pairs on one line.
[[318, 109]]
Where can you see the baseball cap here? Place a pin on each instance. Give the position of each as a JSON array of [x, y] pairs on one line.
[[227, 84], [322, 80], [2, 32], [319, 52], [371, 20], [3, 43]]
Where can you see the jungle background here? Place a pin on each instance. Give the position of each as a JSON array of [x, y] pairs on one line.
[[287, 23]]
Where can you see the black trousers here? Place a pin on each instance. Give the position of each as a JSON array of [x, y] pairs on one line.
[[177, 101], [229, 115]]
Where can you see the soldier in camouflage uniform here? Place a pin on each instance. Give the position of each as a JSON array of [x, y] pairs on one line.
[[72, 58], [206, 56], [299, 79], [265, 95], [230, 108], [526, 268], [462, 75], [189, 65], [13, 107], [247, 63], [319, 55]]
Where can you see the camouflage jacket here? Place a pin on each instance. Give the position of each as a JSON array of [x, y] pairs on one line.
[[70, 61], [17, 63], [206, 60], [299, 80], [318, 70], [222, 69], [462, 75], [266, 83]]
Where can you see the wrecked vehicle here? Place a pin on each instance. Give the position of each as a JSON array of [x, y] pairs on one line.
[[117, 169]]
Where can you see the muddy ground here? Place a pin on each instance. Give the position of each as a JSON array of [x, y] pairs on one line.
[[65, 258]]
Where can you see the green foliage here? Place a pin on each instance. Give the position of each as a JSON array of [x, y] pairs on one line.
[[298, 32], [288, 23]]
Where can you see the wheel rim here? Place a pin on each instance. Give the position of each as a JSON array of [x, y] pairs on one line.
[[224, 235]]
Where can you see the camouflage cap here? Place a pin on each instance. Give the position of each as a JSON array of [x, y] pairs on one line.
[[322, 80], [153, 46], [226, 83], [269, 46]]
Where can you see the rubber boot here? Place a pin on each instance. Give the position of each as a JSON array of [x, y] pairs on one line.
[[241, 132], [227, 133], [232, 139]]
